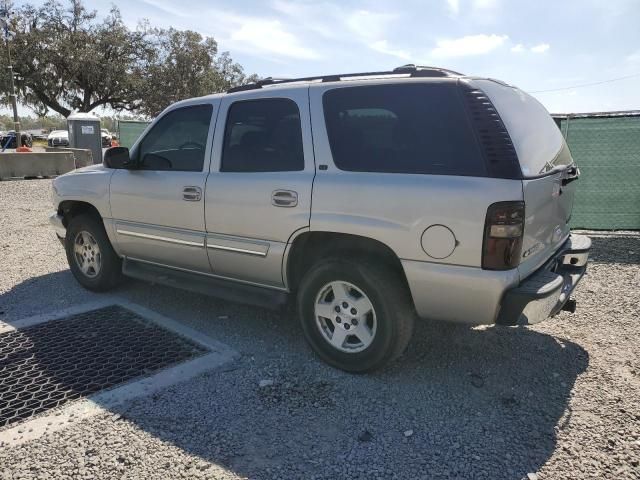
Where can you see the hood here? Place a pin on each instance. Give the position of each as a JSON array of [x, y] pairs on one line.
[[98, 168]]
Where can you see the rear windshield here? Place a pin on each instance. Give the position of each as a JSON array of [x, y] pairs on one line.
[[401, 128], [538, 141]]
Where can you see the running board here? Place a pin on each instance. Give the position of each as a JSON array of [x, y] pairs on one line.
[[215, 287]]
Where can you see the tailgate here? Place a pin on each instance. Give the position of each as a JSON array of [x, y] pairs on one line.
[[548, 203], [547, 168]]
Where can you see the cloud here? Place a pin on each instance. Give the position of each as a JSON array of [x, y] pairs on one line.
[[454, 6], [633, 58], [382, 46], [517, 48], [261, 36], [167, 7], [485, 4], [367, 25], [362, 27], [541, 48], [468, 45]]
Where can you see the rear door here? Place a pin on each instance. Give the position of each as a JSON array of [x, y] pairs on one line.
[[547, 167], [259, 189]]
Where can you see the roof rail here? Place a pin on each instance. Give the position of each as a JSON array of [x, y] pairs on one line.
[[409, 69]]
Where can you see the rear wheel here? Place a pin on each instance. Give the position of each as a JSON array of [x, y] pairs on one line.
[[92, 260], [356, 316]]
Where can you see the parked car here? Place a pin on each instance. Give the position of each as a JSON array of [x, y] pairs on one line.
[[8, 139], [369, 199], [58, 138], [106, 137]]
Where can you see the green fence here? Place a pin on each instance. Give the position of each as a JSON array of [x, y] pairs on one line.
[[607, 151], [129, 131]]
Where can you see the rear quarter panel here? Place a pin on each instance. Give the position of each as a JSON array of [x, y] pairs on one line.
[[395, 209]]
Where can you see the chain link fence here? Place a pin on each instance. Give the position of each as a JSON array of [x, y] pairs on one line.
[[606, 148]]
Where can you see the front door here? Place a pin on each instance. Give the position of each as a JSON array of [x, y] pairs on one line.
[[259, 189], [158, 209]]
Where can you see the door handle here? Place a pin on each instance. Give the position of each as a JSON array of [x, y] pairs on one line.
[[284, 198], [192, 194]]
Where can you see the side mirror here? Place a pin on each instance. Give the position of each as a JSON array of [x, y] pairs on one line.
[[117, 157]]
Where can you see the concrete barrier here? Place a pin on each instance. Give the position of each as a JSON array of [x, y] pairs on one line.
[[83, 157], [17, 165]]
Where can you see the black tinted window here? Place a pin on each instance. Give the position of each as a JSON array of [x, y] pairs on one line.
[[420, 128], [178, 141], [263, 136]]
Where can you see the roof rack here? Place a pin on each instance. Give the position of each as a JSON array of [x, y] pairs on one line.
[[409, 69]]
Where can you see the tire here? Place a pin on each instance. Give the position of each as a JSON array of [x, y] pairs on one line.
[[102, 266], [389, 323]]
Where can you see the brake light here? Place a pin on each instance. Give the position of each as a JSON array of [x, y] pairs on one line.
[[503, 231]]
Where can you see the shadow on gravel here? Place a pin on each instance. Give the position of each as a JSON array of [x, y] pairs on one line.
[[461, 403], [612, 248]]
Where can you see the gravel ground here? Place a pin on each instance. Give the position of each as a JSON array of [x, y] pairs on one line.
[[559, 400]]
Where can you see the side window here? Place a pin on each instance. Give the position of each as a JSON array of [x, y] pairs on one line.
[[178, 141], [263, 136], [409, 128]]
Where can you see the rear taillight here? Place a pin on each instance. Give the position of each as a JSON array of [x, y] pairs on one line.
[[503, 229]]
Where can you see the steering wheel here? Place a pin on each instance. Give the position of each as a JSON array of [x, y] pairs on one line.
[[191, 144]]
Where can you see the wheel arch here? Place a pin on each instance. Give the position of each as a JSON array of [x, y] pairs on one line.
[[310, 246], [69, 209]]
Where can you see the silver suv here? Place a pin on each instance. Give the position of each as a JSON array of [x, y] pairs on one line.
[[371, 199]]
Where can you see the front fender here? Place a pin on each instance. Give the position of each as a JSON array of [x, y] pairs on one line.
[[88, 184]]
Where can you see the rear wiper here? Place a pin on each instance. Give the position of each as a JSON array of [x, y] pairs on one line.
[[572, 173]]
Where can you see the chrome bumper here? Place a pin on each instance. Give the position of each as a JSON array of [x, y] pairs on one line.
[[545, 293], [56, 221]]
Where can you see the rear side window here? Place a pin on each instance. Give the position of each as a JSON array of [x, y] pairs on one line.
[[418, 128], [263, 136]]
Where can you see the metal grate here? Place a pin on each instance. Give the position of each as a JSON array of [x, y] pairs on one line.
[[47, 365]]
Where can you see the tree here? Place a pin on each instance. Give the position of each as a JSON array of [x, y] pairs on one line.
[[185, 65], [67, 59]]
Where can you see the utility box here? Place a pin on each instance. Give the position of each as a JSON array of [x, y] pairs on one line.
[[84, 132]]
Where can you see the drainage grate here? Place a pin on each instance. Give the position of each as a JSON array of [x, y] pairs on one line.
[[47, 365]]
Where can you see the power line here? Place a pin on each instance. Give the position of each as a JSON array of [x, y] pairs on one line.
[[587, 84]]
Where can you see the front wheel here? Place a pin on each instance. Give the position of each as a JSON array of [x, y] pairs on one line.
[[356, 316], [92, 260]]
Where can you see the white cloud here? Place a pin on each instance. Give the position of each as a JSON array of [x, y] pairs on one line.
[[469, 45], [633, 58], [261, 36], [518, 48], [454, 6], [541, 48], [369, 25], [365, 27], [383, 46], [167, 7], [485, 4]]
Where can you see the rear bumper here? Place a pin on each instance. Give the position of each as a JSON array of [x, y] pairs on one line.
[[459, 294], [545, 293]]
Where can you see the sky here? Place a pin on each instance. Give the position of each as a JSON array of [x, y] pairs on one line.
[[552, 47]]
